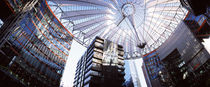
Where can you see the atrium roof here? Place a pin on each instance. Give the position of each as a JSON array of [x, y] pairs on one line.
[[140, 26]]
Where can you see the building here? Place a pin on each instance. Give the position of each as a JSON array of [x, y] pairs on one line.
[[128, 83], [134, 72], [199, 25], [190, 58], [102, 65], [34, 45], [183, 60], [174, 72], [195, 6], [146, 76], [152, 66]]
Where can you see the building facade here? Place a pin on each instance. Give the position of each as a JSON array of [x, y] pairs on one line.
[[191, 59], [34, 44], [102, 65], [151, 65], [183, 60], [199, 25], [146, 76]]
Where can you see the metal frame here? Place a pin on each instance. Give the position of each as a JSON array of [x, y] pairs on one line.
[[152, 22]]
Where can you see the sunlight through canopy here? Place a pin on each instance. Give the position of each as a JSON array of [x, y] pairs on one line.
[[140, 26]]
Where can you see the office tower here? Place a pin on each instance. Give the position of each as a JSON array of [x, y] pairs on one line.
[[151, 65], [146, 76], [101, 65], [183, 60], [34, 45], [174, 72], [199, 25], [195, 6]]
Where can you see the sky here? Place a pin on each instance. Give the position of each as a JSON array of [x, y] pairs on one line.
[[77, 51], [206, 44], [138, 63]]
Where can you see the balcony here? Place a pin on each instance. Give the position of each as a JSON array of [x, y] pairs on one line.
[[99, 45]]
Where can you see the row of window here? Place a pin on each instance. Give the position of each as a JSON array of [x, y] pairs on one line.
[[152, 63], [84, 66], [43, 42]]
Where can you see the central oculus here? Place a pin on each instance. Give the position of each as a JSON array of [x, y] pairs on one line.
[[128, 9]]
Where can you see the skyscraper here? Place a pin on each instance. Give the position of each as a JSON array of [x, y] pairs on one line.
[[34, 45], [152, 66], [182, 61], [102, 65], [199, 25]]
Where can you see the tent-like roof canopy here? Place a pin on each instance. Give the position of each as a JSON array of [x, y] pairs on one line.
[[140, 26]]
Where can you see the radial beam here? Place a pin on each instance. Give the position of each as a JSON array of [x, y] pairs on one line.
[[85, 2], [68, 14], [89, 22]]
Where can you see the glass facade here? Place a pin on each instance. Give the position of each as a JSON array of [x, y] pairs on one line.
[[195, 23], [199, 24], [152, 63], [175, 72], [184, 61], [102, 65], [37, 49], [199, 19]]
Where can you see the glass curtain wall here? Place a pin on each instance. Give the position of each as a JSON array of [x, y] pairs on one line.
[[39, 44]]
